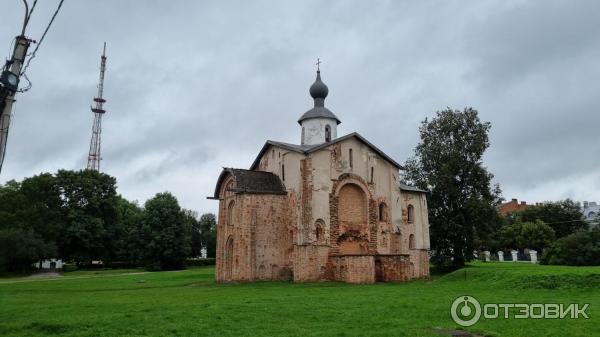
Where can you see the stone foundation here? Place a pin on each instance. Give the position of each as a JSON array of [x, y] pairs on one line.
[[364, 269]]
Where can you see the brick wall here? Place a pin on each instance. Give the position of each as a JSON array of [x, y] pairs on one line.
[[352, 268], [262, 237]]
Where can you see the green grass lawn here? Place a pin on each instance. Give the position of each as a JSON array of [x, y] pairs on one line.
[[189, 303]]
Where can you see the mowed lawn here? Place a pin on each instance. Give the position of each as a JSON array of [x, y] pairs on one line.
[[189, 303]]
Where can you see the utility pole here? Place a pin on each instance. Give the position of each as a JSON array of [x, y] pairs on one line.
[[9, 84]]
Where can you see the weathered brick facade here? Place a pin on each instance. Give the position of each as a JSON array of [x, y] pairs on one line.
[[329, 221]]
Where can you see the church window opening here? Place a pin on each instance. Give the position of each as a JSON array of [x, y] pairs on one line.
[[230, 212], [411, 241], [350, 159], [371, 174], [282, 172], [411, 214], [272, 153], [327, 133], [382, 212], [302, 141], [319, 228]]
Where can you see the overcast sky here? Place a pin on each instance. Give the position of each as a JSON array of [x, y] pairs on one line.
[[193, 86]]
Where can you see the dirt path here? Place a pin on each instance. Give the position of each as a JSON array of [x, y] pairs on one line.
[[44, 274], [38, 277]]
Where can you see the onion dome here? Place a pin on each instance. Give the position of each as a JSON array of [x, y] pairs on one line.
[[318, 91]]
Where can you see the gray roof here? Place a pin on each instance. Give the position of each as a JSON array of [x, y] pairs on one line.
[[318, 112], [246, 181], [307, 149], [410, 188]]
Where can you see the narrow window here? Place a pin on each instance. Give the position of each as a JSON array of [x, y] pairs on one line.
[[411, 241], [282, 172], [327, 133], [273, 153], [371, 174], [382, 212], [351, 160], [230, 213], [302, 141], [319, 225], [411, 214]]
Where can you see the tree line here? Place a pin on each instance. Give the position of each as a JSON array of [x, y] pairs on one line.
[[78, 216], [463, 202]]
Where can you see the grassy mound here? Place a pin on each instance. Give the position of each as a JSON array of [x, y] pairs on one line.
[[527, 276]]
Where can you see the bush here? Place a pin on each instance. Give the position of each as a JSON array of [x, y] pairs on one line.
[[578, 249], [122, 265], [69, 267], [200, 262], [520, 235]]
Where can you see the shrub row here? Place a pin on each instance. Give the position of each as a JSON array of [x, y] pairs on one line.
[[200, 262]]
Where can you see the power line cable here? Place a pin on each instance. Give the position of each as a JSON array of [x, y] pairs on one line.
[[28, 13], [39, 43], [559, 222]]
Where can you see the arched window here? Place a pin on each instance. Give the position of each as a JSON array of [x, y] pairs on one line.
[[411, 241], [382, 212], [327, 133], [371, 174], [411, 214], [228, 259], [319, 228], [350, 159], [230, 212]]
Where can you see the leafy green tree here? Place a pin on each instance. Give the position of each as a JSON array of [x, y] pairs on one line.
[[28, 220], [565, 216], [581, 248], [520, 235], [21, 248], [208, 230], [127, 243], [89, 200], [191, 218], [448, 163], [166, 234], [34, 203]]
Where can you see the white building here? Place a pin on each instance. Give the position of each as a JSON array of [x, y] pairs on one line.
[[590, 211], [50, 264]]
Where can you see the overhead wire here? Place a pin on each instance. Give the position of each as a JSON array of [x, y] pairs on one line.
[[28, 13], [38, 44]]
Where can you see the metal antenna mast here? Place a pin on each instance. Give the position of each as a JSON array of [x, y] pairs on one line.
[[98, 110]]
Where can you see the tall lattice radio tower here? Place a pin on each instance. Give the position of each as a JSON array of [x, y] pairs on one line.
[[98, 110]]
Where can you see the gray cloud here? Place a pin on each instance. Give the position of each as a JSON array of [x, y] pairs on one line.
[[194, 86]]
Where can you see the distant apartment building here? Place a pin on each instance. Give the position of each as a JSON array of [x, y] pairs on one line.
[[590, 211], [513, 206]]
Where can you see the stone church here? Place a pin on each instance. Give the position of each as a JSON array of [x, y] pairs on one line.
[[330, 208]]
